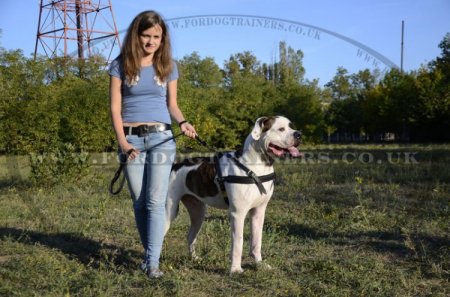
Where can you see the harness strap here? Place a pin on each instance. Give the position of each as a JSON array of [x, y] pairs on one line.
[[236, 179], [220, 178], [251, 177]]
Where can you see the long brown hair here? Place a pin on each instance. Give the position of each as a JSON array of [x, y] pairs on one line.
[[132, 52]]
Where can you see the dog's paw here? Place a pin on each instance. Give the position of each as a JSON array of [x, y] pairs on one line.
[[261, 265], [236, 270]]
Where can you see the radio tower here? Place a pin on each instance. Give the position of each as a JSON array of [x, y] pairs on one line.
[[78, 28]]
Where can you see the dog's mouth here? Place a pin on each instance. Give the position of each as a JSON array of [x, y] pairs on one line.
[[279, 151]]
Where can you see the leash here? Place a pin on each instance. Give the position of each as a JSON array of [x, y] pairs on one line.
[[123, 158], [250, 178]]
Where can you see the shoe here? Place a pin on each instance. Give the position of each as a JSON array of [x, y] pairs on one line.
[[143, 267], [154, 273]]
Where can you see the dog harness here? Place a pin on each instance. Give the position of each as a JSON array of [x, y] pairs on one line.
[[250, 178]]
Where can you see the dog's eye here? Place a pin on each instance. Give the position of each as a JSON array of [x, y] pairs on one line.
[[281, 129]]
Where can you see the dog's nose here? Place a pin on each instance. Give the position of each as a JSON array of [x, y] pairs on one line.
[[297, 134]]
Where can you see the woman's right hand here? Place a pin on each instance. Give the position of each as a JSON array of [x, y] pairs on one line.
[[126, 147]]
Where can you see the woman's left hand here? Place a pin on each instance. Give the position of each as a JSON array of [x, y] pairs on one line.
[[188, 130]]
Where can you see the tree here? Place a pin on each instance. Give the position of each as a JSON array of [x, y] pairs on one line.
[[340, 85], [244, 91], [433, 108], [27, 117], [349, 105], [304, 109], [289, 69], [442, 63], [199, 88], [344, 112], [402, 94]]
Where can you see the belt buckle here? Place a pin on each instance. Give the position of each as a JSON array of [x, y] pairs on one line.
[[160, 127], [142, 130]]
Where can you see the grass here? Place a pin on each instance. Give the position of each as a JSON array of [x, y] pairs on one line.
[[345, 221]]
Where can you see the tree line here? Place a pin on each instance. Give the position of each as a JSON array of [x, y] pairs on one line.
[[51, 103]]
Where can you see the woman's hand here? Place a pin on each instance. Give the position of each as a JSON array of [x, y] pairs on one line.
[[188, 129], [126, 147]]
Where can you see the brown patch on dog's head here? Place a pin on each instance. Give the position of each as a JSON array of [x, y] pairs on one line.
[[263, 124], [267, 123]]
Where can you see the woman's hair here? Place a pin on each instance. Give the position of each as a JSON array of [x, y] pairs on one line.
[[132, 52]]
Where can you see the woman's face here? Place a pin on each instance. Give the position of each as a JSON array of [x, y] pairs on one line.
[[151, 39]]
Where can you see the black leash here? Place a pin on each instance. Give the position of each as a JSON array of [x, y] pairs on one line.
[[250, 178], [123, 158]]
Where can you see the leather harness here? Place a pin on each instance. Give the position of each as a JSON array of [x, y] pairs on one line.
[[250, 178]]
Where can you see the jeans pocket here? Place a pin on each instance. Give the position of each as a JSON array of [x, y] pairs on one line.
[[136, 141], [167, 135]]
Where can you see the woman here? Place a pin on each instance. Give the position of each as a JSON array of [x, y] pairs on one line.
[[143, 94]]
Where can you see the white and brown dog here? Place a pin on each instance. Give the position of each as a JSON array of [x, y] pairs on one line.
[[240, 182]]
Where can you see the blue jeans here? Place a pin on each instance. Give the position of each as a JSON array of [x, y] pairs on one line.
[[148, 182]]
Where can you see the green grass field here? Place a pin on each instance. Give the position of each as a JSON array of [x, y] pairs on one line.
[[344, 221]]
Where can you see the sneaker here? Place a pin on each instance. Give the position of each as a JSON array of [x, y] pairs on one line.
[[154, 273], [143, 267]]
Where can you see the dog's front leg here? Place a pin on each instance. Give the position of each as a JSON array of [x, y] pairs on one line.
[[256, 229], [237, 219]]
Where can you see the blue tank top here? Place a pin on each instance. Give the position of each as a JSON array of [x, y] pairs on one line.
[[144, 100]]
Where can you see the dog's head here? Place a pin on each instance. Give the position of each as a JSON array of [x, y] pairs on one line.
[[277, 135]]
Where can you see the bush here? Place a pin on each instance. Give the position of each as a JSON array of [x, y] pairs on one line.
[[60, 165]]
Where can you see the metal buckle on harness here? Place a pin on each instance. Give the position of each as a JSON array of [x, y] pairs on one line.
[[252, 174]]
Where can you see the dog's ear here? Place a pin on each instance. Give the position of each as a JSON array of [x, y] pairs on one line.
[[258, 128]]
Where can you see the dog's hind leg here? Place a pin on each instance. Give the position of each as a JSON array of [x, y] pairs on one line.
[[172, 207], [196, 210]]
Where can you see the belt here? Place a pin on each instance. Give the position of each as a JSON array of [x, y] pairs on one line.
[[144, 130]]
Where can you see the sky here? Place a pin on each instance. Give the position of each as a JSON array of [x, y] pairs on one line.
[[354, 34]]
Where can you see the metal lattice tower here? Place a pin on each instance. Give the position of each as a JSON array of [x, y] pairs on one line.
[[76, 28]]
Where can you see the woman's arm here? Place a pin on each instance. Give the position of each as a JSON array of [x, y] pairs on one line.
[[175, 111], [116, 115]]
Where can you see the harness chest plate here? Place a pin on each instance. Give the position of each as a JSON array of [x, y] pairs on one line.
[[250, 178]]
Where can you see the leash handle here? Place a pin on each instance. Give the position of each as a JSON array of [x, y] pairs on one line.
[[124, 158], [201, 141], [123, 162]]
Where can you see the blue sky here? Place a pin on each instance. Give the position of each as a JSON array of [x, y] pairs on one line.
[[305, 25]]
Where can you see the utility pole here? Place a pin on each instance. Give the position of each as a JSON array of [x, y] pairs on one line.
[[402, 45]]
